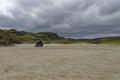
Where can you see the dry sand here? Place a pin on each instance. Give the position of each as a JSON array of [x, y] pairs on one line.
[[60, 62]]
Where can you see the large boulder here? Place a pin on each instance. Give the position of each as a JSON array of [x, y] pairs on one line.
[[39, 44]]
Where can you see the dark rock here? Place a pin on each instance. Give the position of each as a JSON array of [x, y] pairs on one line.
[[39, 44]]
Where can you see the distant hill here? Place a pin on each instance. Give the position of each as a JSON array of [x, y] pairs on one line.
[[108, 40], [12, 36]]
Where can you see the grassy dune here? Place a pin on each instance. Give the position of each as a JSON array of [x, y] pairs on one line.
[[111, 42], [60, 62]]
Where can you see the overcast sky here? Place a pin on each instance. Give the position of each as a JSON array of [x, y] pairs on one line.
[[69, 18]]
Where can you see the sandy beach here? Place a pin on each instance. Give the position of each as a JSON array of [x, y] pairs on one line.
[[60, 62]]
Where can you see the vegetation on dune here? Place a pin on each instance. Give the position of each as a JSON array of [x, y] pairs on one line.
[[12, 36], [48, 36], [8, 38], [110, 40]]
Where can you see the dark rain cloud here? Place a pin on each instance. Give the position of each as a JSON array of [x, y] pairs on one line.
[[70, 18]]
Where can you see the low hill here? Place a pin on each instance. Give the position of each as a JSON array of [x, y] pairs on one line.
[[109, 40], [13, 36]]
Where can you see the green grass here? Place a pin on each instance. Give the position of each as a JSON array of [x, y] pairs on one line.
[[116, 41]]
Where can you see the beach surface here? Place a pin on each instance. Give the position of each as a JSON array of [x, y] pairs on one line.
[[60, 62]]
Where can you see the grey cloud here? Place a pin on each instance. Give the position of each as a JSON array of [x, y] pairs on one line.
[[109, 7], [70, 18]]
